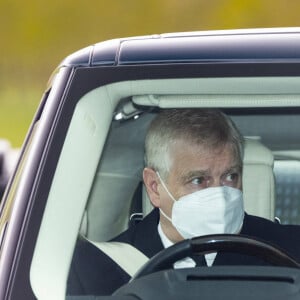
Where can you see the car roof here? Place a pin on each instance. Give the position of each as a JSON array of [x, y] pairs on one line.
[[282, 44]]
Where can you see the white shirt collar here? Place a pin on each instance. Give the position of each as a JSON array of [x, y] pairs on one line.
[[186, 262], [183, 263]]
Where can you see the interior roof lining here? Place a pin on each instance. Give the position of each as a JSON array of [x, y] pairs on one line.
[[218, 100]]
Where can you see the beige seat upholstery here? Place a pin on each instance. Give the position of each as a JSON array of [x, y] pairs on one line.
[[258, 187], [258, 180]]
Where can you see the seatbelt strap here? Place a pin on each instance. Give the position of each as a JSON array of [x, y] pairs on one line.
[[125, 255]]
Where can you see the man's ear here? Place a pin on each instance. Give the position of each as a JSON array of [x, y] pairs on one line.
[[151, 182]]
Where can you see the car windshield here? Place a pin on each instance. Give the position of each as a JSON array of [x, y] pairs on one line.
[[109, 152]]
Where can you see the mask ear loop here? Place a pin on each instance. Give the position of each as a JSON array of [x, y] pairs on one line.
[[165, 187], [171, 196]]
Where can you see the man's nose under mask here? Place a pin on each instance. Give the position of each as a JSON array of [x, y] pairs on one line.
[[213, 210]]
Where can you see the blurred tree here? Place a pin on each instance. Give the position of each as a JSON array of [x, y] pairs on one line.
[[38, 34]]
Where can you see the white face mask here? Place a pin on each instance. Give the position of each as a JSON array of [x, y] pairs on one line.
[[213, 210]]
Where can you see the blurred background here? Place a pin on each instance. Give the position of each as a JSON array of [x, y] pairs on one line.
[[37, 34]]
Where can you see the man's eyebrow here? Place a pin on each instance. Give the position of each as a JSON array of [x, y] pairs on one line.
[[236, 168], [203, 173], [193, 174]]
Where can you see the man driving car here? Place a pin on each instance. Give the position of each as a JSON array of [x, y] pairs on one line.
[[193, 177]]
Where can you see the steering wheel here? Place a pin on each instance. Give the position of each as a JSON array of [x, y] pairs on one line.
[[217, 243]]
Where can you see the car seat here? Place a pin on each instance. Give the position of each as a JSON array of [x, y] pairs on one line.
[[258, 180], [258, 190]]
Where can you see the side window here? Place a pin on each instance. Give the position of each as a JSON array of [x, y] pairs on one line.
[[287, 176]]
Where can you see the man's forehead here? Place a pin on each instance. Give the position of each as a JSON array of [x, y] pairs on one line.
[[202, 159], [182, 145]]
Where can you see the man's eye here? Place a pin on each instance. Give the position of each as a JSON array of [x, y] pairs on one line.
[[232, 177], [198, 181]]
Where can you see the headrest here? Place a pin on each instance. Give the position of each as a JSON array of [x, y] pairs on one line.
[[258, 180], [256, 153]]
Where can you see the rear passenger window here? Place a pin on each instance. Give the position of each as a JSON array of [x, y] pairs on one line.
[[287, 177]]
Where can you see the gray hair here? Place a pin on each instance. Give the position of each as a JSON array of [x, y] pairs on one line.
[[209, 127]]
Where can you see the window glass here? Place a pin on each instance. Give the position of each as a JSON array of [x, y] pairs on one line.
[[287, 175]]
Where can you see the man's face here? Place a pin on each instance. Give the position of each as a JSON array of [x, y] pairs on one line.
[[194, 168]]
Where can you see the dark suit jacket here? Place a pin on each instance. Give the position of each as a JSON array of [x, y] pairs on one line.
[[93, 272]]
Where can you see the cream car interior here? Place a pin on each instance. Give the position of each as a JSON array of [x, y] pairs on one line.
[[94, 194]]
